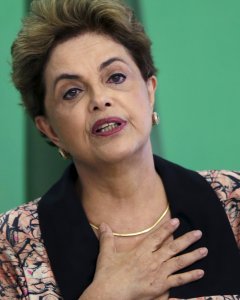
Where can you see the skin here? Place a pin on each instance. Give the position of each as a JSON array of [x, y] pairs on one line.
[[88, 78]]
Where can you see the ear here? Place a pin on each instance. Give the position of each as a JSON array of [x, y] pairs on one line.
[[152, 86], [44, 126]]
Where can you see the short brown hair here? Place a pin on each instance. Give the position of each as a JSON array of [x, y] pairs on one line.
[[52, 21]]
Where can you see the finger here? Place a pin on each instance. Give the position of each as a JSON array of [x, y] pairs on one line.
[[179, 262], [155, 239], [106, 239], [164, 297], [184, 278], [176, 246]]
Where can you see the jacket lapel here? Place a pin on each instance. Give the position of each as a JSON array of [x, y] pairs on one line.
[[71, 245], [195, 203]]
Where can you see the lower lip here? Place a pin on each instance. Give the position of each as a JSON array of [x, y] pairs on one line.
[[111, 132]]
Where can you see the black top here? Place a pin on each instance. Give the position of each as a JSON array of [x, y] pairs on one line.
[[73, 248]]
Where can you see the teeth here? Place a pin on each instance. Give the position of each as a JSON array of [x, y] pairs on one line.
[[107, 127]]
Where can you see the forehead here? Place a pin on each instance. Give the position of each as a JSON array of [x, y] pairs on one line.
[[87, 49]]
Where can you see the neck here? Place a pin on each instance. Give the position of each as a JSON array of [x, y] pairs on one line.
[[120, 192], [119, 180]]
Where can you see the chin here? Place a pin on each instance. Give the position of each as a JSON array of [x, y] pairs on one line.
[[123, 153]]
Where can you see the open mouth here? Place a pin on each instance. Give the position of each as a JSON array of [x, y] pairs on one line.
[[108, 126]]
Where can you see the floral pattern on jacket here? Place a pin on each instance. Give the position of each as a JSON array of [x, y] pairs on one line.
[[25, 271]]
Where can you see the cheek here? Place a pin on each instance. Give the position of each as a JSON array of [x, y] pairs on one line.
[[143, 95], [68, 125], [144, 104], [142, 113], [146, 113]]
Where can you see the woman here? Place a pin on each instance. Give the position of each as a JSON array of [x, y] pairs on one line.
[[121, 223]]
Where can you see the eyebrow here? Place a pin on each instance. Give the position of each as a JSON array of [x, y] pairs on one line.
[[110, 61], [66, 76], [102, 66]]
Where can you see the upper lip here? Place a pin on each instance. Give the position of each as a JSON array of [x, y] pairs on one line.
[[106, 121]]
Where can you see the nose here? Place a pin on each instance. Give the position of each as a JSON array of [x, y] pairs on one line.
[[101, 106], [99, 101]]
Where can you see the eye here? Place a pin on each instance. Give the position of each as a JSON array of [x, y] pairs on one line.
[[72, 93], [117, 78]]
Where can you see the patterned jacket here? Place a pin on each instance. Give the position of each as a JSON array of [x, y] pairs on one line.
[[34, 251]]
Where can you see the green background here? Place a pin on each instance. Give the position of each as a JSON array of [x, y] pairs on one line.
[[12, 132], [196, 47]]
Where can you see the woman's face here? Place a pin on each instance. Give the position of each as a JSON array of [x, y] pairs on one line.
[[98, 107]]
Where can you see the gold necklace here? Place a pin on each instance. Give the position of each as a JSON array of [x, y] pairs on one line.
[[139, 232]]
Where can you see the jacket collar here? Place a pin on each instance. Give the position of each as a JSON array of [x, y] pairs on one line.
[[73, 248]]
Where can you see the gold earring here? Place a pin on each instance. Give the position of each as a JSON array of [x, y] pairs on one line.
[[63, 153], [155, 118]]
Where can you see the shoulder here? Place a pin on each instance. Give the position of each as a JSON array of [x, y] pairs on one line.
[[17, 231], [24, 265], [20, 224], [226, 185]]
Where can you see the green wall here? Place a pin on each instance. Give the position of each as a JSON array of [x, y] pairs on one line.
[[12, 134], [196, 45]]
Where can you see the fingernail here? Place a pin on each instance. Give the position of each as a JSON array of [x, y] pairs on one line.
[[200, 273], [197, 233], [203, 251], [174, 222], [102, 227]]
